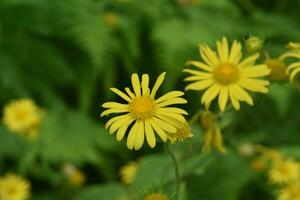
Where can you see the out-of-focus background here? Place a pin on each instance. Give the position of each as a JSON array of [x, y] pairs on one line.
[[66, 54]]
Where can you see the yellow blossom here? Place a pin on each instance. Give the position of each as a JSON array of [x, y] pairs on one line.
[[23, 117], [293, 45], [223, 74], [156, 196], [13, 187], [284, 172], [74, 175], [148, 114], [278, 69], [294, 68], [291, 192], [183, 132], [212, 136], [128, 173], [254, 44]]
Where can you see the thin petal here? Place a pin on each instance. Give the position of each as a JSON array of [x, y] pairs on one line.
[[235, 53], [117, 124], [114, 119], [223, 98], [131, 94], [249, 61], [255, 71], [132, 136], [145, 84], [150, 135], [241, 94], [200, 85], [140, 136], [162, 134], [292, 66], [171, 115], [157, 84], [200, 65], [254, 85], [169, 95], [210, 93], [205, 57], [222, 48], [136, 84], [164, 125], [121, 94], [173, 110], [121, 131], [234, 99], [114, 110], [114, 105], [198, 78], [171, 102], [209, 55], [294, 73]]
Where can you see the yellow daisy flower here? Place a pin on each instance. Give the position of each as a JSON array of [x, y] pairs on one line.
[[128, 173], [23, 117], [183, 132], [156, 196], [212, 136], [74, 175], [148, 114], [223, 74], [13, 187], [254, 43], [294, 68], [291, 192], [284, 172]]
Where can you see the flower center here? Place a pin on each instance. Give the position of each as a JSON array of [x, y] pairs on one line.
[[226, 74], [142, 107], [11, 190], [22, 114]]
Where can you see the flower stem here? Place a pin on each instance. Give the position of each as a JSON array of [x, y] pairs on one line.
[[175, 163]]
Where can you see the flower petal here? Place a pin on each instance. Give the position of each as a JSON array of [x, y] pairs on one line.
[[200, 65], [200, 85], [145, 84], [223, 98], [169, 95], [150, 134], [121, 94], [157, 84], [136, 84]]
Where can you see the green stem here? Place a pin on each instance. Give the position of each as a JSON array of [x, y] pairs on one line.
[[176, 171]]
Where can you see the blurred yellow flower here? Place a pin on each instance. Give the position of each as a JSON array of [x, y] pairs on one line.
[[284, 172], [156, 196], [293, 45], [13, 187], [128, 172], [254, 43], [212, 136], [226, 76], [294, 68], [291, 192], [23, 117], [183, 132], [148, 114], [74, 175], [278, 69]]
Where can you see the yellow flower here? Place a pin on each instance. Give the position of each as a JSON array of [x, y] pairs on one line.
[[293, 45], [213, 135], [291, 192], [284, 172], [23, 117], [226, 76], [294, 68], [254, 44], [13, 187], [148, 114], [156, 196], [278, 69], [183, 132], [74, 175], [128, 173]]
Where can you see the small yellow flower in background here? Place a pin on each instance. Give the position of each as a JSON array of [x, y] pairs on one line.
[[13, 187], [74, 175], [270, 154], [284, 172], [294, 68], [293, 45], [149, 115], [111, 19], [223, 74], [128, 172], [278, 69], [23, 117], [291, 192], [183, 132], [156, 196], [254, 43], [212, 136]]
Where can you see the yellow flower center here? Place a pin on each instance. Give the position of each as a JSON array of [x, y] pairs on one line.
[[226, 74], [143, 107], [11, 190], [21, 115], [156, 196]]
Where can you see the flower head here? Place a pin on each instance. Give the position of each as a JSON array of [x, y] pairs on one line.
[[254, 43], [278, 69], [294, 68], [284, 172], [13, 187], [183, 132], [147, 114], [291, 192], [74, 175], [212, 136], [223, 74], [156, 196], [23, 117], [128, 172]]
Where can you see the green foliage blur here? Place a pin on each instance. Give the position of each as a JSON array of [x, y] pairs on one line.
[[66, 54]]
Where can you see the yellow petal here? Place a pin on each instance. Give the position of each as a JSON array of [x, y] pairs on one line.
[[116, 125], [173, 110], [121, 131], [254, 85], [223, 98], [114, 105], [200, 85], [210, 55], [172, 115], [292, 66], [294, 73], [145, 84], [169, 95], [157, 84], [140, 136], [200, 65], [222, 48], [255, 71], [249, 61], [164, 125], [218, 141], [234, 99], [132, 136], [114, 110], [136, 84], [235, 53], [121, 94], [210, 93], [198, 78], [114, 119], [172, 101], [162, 134], [131, 94], [241, 94], [150, 134], [205, 57]]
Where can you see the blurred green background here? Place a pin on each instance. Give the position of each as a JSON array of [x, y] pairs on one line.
[[66, 54]]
